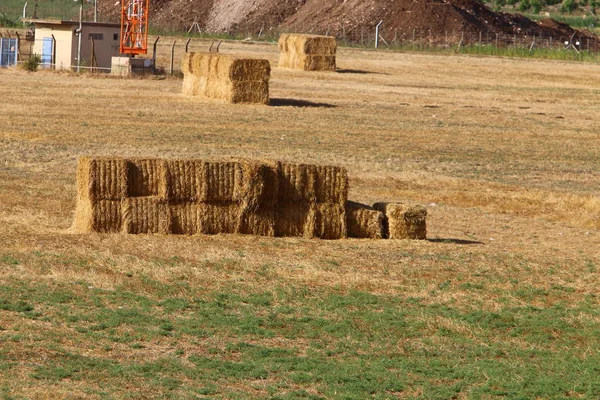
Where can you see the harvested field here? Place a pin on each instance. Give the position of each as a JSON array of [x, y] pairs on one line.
[[500, 300]]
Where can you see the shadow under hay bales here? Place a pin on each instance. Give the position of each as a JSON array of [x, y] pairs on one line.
[[455, 241], [358, 71], [298, 103]]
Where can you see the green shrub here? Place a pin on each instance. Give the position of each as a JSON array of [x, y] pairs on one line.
[[524, 5], [33, 63], [536, 5], [568, 6]]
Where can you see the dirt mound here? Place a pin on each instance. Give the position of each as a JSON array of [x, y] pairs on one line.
[[352, 19]]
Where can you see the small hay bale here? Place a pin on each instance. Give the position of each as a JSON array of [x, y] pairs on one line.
[[364, 221], [330, 221], [296, 182], [295, 220], [101, 178], [307, 52], [193, 85], [185, 180], [403, 221], [184, 218], [331, 185], [103, 216], [146, 215], [146, 177], [259, 223], [219, 217]]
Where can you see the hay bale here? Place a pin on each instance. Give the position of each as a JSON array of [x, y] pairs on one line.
[[220, 181], [257, 185], [260, 222], [146, 215], [227, 77], [307, 52], [404, 221], [219, 217], [184, 218], [296, 182], [103, 216], [363, 221], [295, 220], [330, 221], [146, 177], [101, 178], [331, 185], [185, 180]]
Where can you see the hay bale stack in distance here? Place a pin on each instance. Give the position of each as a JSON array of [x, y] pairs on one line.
[[404, 221], [145, 215], [307, 52], [219, 217], [364, 222], [227, 77], [146, 177], [295, 219]]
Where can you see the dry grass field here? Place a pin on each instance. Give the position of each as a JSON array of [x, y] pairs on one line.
[[500, 302]]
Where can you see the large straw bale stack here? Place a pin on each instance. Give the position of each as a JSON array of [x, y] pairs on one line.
[[330, 221], [146, 177], [364, 221], [145, 215], [219, 217], [101, 178], [307, 52], [404, 221], [186, 180], [295, 220], [220, 181], [184, 218], [223, 76]]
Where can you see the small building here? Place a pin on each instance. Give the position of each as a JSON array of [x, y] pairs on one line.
[[57, 42]]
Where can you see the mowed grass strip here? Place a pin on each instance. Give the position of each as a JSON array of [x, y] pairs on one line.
[[142, 340]]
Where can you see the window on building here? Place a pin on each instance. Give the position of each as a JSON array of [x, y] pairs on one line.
[[115, 36], [97, 36]]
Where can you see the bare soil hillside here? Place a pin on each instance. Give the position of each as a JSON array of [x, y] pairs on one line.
[[351, 18]]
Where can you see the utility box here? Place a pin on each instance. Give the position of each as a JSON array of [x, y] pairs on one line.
[[129, 66]]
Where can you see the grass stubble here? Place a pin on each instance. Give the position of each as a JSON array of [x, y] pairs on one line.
[[500, 302]]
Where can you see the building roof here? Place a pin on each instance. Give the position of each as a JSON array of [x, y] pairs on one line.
[[59, 22]]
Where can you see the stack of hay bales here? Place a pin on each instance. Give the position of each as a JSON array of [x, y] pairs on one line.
[[223, 76], [364, 222], [194, 196], [307, 52]]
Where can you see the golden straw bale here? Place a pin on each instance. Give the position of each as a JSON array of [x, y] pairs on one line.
[[296, 182], [318, 63], [331, 184], [330, 221], [101, 178], [364, 221], [186, 64], [193, 85], [102, 216], [146, 215], [220, 180], [256, 92], [404, 221], [249, 69], [295, 219], [185, 179], [317, 44], [146, 177], [184, 218], [260, 222], [219, 217], [257, 184]]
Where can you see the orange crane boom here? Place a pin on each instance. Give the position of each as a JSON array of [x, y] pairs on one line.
[[134, 27]]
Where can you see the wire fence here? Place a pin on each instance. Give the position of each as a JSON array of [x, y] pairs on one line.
[[170, 50]]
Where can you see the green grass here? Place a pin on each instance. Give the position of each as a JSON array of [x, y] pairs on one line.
[[302, 342], [12, 10]]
